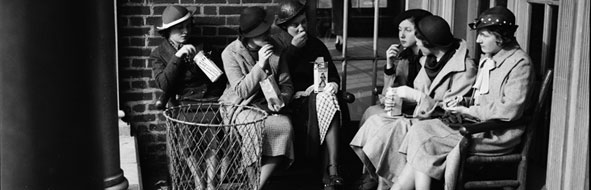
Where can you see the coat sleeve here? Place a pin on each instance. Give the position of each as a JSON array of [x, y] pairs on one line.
[[461, 85], [244, 85], [166, 71], [396, 77], [511, 104], [284, 80]]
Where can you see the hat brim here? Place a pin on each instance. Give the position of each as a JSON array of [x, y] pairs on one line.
[[171, 24], [259, 30], [285, 20]]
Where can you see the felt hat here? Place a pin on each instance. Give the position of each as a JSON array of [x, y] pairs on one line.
[[495, 16], [416, 14], [288, 10], [253, 22], [435, 30], [173, 15]]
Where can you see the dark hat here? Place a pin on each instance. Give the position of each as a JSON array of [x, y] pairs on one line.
[[416, 14], [253, 22], [496, 16], [289, 9], [435, 30], [173, 15]]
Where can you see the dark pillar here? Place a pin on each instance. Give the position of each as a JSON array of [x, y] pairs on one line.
[[58, 95]]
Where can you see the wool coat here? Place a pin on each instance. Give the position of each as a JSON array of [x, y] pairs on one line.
[[379, 138], [243, 88], [175, 76], [428, 142]]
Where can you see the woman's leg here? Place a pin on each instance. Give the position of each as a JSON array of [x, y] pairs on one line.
[[332, 144], [406, 179], [268, 166], [422, 181]]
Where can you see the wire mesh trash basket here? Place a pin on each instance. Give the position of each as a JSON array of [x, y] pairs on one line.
[[210, 150]]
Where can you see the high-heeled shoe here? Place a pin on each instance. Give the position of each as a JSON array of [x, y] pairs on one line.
[[338, 46], [334, 181]]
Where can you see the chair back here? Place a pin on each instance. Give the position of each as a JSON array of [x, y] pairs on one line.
[[537, 114]]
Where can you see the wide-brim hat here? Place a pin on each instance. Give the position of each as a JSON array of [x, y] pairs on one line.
[[435, 30], [254, 22], [416, 14], [174, 15], [288, 10], [495, 16]]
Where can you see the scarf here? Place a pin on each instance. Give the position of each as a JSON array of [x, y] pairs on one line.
[[433, 67]]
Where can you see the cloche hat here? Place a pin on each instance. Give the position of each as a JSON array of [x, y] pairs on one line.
[[173, 15], [289, 9], [435, 30], [495, 16], [253, 22]]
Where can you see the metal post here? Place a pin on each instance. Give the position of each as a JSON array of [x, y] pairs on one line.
[[345, 36], [58, 107], [376, 16]]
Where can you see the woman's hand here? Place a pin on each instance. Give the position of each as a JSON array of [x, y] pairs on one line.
[[458, 109], [409, 94], [264, 53], [299, 40], [331, 88], [392, 54], [186, 50], [300, 94]]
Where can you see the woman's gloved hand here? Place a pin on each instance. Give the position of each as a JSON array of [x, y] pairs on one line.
[[409, 94]]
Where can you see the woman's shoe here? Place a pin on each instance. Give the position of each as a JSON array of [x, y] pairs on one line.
[[334, 182], [338, 46]]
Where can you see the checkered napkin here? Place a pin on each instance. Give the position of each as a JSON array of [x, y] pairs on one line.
[[326, 107]]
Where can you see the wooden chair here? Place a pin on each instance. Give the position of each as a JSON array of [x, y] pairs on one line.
[[506, 171]]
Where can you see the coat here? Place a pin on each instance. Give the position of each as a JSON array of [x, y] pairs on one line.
[[244, 75], [429, 142], [174, 76]]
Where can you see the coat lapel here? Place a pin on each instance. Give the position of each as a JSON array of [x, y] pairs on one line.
[[455, 64]]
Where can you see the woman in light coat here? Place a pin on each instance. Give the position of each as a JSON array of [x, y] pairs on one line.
[[447, 72], [248, 60], [503, 84]]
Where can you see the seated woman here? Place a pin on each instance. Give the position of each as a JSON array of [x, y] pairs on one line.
[[402, 63], [316, 114], [447, 72], [175, 72], [503, 84], [248, 60]]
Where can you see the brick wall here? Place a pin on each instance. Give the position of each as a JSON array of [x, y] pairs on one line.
[[215, 21]]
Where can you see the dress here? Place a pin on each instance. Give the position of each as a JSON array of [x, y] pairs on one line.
[[244, 89], [301, 67], [429, 141], [381, 135], [175, 76]]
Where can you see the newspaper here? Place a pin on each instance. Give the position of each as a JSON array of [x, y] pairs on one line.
[[208, 67], [320, 74]]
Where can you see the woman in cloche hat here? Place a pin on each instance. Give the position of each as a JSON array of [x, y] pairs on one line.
[[249, 60], [175, 72], [446, 72], [504, 81], [317, 135]]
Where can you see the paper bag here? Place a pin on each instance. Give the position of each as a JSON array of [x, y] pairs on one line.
[[320, 74], [212, 71], [272, 92]]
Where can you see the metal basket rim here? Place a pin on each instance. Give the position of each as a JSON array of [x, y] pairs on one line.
[[165, 113]]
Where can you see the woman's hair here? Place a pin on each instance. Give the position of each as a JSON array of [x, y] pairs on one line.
[[165, 33], [505, 37]]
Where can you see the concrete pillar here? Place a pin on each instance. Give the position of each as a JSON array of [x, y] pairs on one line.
[[58, 95]]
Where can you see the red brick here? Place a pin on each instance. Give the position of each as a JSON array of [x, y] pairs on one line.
[[157, 10], [209, 20], [128, 31], [136, 21], [255, 1], [162, 1], [210, 10], [234, 10], [124, 86], [158, 127], [139, 108], [139, 84], [122, 21], [187, 1], [133, 10], [153, 21], [138, 63], [155, 41], [136, 73], [137, 42], [152, 84], [211, 1], [137, 96], [233, 1], [136, 1], [143, 118], [209, 31], [227, 31], [233, 20]]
